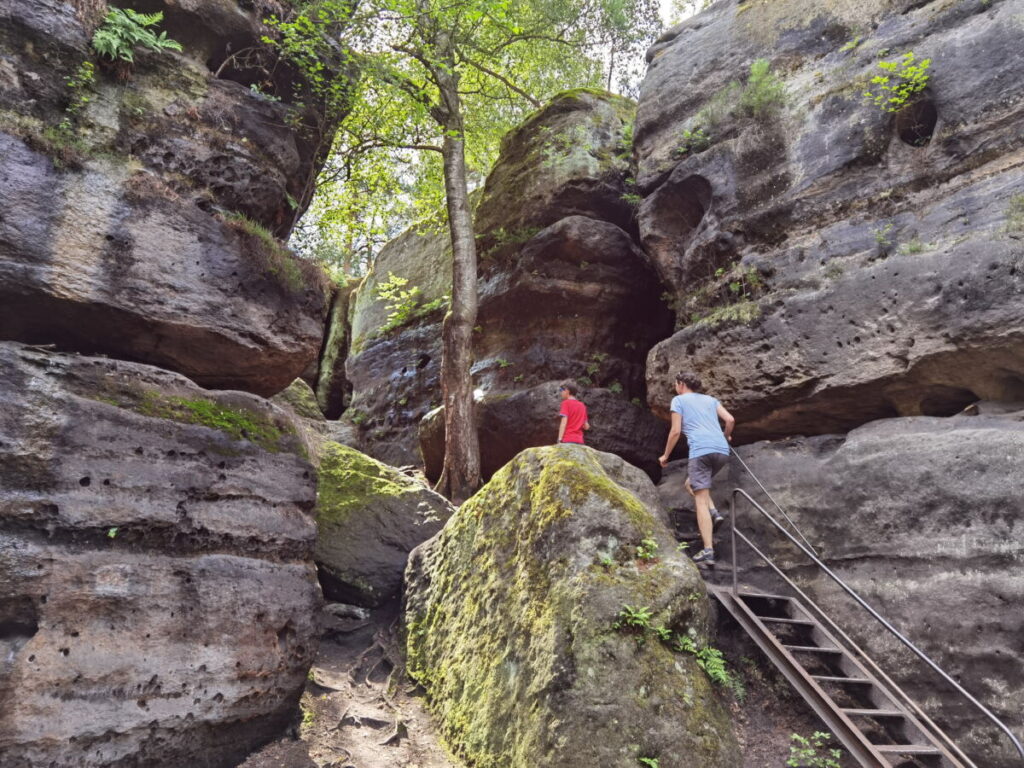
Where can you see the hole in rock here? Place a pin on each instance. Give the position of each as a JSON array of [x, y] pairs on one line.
[[946, 401], [85, 482], [915, 123]]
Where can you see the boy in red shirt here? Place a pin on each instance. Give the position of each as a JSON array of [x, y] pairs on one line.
[[573, 415]]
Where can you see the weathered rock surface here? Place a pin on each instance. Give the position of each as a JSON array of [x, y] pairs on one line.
[[157, 590], [923, 517], [369, 518], [155, 248], [564, 293], [509, 615], [300, 400], [569, 158], [333, 389], [832, 263]]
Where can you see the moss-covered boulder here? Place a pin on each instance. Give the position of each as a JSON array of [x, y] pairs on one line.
[[510, 615], [369, 517], [301, 399]]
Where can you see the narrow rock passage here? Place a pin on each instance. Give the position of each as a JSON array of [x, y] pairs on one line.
[[358, 709]]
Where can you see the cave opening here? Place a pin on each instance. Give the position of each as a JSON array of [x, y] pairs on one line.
[[915, 123]]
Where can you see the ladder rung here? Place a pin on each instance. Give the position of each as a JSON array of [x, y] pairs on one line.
[[907, 749], [813, 649], [874, 713], [832, 679], [777, 620], [765, 596]]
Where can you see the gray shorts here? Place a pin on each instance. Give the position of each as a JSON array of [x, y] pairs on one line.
[[703, 468]]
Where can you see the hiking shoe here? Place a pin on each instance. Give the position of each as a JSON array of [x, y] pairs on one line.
[[705, 558], [716, 519]]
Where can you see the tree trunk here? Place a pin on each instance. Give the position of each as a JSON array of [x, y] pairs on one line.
[[461, 475]]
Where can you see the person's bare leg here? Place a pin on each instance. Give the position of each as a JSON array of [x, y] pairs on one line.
[[703, 499]]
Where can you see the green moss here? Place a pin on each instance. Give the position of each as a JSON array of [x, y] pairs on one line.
[[348, 479], [239, 423]]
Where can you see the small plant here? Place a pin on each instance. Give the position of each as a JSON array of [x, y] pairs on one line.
[[607, 562], [503, 363], [912, 246], [112, 532], [834, 271], [649, 762], [684, 644], [595, 365], [764, 93], [693, 141], [404, 303], [518, 378], [1015, 214], [664, 634], [905, 77], [632, 619], [123, 30], [80, 84], [647, 549], [636, 401], [682, 546], [850, 45], [632, 199], [712, 662], [359, 418], [813, 752], [615, 388], [585, 381], [308, 717], [883, 235]]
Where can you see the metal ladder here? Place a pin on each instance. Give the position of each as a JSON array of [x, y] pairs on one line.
[[856, 707], [877, 722]]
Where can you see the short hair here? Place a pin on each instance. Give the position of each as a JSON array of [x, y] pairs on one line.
[[571, 386], [690, 379]]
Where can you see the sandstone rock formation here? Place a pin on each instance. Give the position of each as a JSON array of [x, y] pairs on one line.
[[922, 517], [333, 389], [833, 263], [510, 612], [564, 293], [369, 518], [153, 241], [157, 595]]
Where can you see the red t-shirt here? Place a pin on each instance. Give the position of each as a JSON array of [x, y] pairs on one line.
[[575, 414]]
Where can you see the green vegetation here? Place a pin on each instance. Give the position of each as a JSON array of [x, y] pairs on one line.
[[912, 246], [649, 762], [647, 549], [740, 313], [765, 93], [308, 717], [1015, 214], [502, 237], [124, 30], [850, 45], [693, 141], [404, 303], [632, 199], [633, 619], [112, 532], [615, 388], [348, 480], [813, 752], [294, 274], [905, 77]]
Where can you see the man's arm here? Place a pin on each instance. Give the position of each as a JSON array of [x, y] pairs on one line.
[[673, 438], [729, 420], [562, 420]]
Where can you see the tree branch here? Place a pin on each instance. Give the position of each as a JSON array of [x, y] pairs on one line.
[[501, 79]]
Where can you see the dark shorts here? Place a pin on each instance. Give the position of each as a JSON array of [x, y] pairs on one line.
[[703, 468]]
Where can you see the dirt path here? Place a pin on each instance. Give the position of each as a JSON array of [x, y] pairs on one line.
[[358, 711]]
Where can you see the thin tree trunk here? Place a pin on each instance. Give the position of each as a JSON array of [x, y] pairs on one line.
[[461, 474]]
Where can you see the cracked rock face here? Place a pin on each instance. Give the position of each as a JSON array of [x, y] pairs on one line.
[[832, 263], [140, 236], [923, 517], [157, 590]]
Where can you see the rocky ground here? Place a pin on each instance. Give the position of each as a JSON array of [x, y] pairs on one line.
[[359, 710]]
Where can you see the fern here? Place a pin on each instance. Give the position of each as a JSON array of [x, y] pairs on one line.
[[123, 30]]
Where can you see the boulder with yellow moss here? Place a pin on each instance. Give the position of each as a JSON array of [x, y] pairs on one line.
[[511, 616]]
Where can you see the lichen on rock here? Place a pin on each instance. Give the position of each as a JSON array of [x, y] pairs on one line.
[[510, 612]]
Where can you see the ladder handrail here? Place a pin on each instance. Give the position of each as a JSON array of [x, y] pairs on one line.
[[875, 614], [893, 688]]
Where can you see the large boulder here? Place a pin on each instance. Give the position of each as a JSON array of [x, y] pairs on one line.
[[510, 612], [142, 224], [570, 158], [157, 590], [369, 518], [922, 516], [832, 263]]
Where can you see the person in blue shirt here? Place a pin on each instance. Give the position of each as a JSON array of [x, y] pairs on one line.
[[697, 416]]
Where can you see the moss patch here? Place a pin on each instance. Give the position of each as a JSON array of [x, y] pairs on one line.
[[349, 478], [238, 423]]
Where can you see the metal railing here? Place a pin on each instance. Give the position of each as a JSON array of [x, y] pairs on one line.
[[807, 550]]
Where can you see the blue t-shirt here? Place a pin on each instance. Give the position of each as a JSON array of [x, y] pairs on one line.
[[700, 424]]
